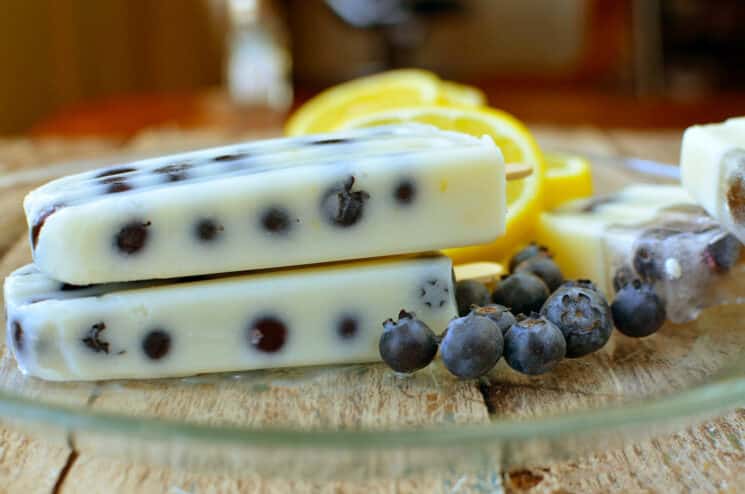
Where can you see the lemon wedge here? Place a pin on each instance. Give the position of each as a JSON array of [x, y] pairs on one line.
[[567, 177]]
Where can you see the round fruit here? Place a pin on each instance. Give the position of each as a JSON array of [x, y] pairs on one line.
[[545, 268], [637, 310], [408, 344], [534, 345], [500, 314], [471, 346], [468, 293], [522, 292]]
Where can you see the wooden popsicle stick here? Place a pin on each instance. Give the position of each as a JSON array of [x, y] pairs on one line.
[[516, 171]]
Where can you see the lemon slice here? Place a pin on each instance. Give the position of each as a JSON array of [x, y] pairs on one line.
[[567, 177], [383, 91], [453, 93], [524, 196]]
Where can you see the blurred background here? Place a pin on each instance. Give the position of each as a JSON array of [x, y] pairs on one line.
[[116, 66]]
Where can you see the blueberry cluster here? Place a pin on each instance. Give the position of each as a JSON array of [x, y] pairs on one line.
[[534, 318]]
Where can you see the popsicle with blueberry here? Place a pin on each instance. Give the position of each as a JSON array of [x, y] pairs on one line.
[[712, 168], [318, 315], [651, 233], [282, 202]]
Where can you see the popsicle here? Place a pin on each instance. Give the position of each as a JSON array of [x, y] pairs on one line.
[[712, 167], [282, 202], [651, 232], [326, 315]]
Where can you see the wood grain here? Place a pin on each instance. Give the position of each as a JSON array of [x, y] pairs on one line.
[[706, 458]]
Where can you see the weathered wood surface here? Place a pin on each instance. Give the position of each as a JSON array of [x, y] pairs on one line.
[[706, 458]]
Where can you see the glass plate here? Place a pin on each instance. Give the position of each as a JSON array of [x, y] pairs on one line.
[[360, 421]]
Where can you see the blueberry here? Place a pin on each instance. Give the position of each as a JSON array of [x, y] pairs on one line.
[[343, 206], [207, 229], [468, 293], [545, 268], [534, 345], [408, 344], [276, 220], [156, 344], [471, 346], [526, 253], [132, 237], [497, 313], [522, 292], [405, 192], [94, 340], [637, 310], [115, 171], [582, 315], [722, 253]]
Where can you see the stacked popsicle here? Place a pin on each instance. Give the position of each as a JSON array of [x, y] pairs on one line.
[[131, 274]]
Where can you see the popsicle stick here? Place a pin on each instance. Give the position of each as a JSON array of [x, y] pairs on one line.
[[516, 171]]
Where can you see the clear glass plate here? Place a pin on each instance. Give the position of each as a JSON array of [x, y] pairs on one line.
[[361, 421]]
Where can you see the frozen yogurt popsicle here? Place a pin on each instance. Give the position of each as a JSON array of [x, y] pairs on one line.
[[651, 232], [712, 167], [326, 314], [282, 202]]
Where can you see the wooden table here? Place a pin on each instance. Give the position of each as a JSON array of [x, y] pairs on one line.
[[706, 458]]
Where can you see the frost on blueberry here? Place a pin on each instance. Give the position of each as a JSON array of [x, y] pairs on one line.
[[471, 346]]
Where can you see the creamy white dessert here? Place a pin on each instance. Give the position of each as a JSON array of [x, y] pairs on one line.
[[651, 232], [712, 167], [282, 202], [326, 315]]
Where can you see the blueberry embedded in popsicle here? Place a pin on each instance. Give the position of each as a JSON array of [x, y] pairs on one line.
[[267, 334], [722, 253], [347, 327], [231, 157], [156, 344], [734, 160], [337, 140], [132, 237], [41, 218], [434, 293], [207, 229], [343, 206], [68, 287], [17, 333], [174, 173], [276, 220], [405, 192], [93, 339], [115, 171], [116, 184]]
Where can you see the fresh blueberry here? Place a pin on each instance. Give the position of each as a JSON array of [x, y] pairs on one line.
[[526, 253], [500, 314], [722, 253], [545, 268], [582, 315], [637, 310], [468, 293], [471, 346], [522, 292], [408, 344], [534, 345]]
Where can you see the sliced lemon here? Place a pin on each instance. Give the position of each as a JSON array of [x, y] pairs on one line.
[[453, 93], [524, 196], [383, 91], [567, 177]]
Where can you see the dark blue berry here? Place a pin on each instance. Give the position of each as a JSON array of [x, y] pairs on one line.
[[405, 192], [637, 310], [623, 275], [534, 345], [132, 237], [500, 314], [156, 344], [471, 346], [408, 344], [343, 206], [207, 229], [722, 253], [583, 316], [545, 268], [582, 283], [468, 293], [526, 253], [522, 292]]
